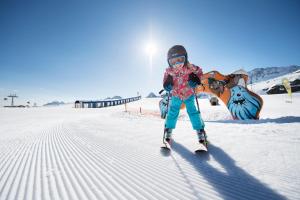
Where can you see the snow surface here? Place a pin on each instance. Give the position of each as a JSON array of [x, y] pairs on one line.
[[260, 86], [106, 153], [263, 74]]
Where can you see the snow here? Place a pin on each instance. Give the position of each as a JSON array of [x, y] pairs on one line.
[[263, 74], [260, 86], [107, 153]]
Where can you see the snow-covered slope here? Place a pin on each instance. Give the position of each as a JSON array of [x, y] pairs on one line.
[[261, 87], [263, 74], [67, 153]]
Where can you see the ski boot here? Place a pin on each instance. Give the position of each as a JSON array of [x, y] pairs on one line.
[[168, 135], [202, 137], [167, 139]]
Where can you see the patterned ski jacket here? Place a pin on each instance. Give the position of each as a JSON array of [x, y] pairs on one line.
[[181, 87]]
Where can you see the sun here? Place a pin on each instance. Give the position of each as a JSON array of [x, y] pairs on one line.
[[150, 48]]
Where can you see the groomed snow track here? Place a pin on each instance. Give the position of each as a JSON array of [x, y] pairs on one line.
[[82, 154], [60, 165]]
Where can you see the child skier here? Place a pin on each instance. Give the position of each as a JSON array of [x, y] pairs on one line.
[[182, 78]]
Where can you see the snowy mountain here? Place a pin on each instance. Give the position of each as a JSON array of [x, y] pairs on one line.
[[54, 103], [262, 74], [152, 95], [114, 97], [262, 87]]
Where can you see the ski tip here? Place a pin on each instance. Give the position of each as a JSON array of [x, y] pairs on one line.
[[165, 148], [165, 151], [200, 151], [202, 148]]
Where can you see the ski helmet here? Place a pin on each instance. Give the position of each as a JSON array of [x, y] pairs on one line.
[[175, 51]]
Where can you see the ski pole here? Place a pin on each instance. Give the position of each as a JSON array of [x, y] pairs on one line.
[[196, 100], [168, 99], [199, 113], [168, 93]]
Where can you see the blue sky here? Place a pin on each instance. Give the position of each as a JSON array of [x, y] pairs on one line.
[[68, 50]]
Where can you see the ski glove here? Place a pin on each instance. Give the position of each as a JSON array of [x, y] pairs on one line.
[[168, 84], [194, 80]]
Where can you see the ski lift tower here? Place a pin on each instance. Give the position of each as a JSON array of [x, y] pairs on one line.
[[12, 96]]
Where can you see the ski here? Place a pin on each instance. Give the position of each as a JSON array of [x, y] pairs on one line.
[[166, 148], [202, 148]]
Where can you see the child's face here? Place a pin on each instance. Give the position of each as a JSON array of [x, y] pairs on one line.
[[177, 62]]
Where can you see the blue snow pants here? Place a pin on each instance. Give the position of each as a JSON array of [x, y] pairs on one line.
[[193, 113]]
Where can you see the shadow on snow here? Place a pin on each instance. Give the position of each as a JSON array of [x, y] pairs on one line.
[[234, 184]]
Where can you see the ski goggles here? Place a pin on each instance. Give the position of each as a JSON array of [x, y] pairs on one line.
[[177, 60]]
